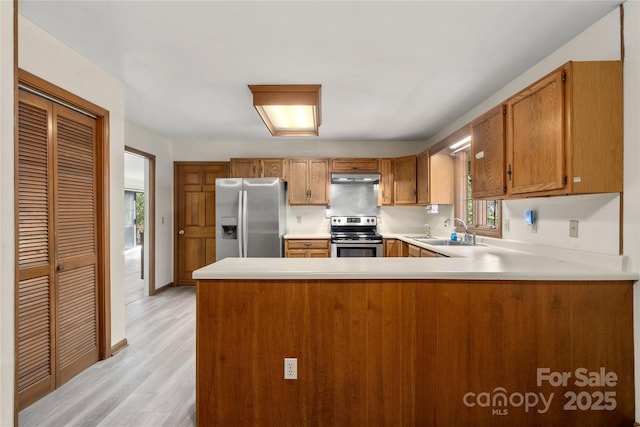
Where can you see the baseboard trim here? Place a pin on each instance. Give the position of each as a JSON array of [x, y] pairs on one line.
[[119, 346], [163, 288]]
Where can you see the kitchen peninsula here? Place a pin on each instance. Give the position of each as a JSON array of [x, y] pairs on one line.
[[493, 337]]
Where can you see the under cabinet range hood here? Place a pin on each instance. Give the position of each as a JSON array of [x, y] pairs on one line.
[[350, 178]]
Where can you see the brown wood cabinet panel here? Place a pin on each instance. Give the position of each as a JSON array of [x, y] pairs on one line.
[[410, 352], [354, 165], [488, 153], [564, 132], [426, 253], [245, 168], [309, 182], [392, 248], [441, 179], [414, 251], [318, 182], [404, 180], [385, 188], [274, 168], [537, 136], [257, 168], [422, 176]]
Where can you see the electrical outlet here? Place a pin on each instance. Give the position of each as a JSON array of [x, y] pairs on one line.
[[573, 228], [299, 219], [505, 225], [290, 368]]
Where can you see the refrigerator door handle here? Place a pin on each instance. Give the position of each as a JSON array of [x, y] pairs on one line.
[[240, 224], [245, 225]]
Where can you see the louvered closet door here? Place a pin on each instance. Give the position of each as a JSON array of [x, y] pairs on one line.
[[35, 308], [75, 241], [57, 246]]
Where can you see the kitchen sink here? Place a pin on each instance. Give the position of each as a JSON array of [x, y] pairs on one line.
[[442, 242]]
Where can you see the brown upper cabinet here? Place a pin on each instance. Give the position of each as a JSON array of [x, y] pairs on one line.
[[422, 176], [488, 154], [354, 165], [441, 181], [564, 132], [308, 182], [385, 188], [404, 180], [258, 168], [434, 174]]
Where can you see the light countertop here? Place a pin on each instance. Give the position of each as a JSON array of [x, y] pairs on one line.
[[482, 262]]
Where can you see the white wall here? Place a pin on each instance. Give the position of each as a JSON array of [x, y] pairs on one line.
[[48, 58], [7, 232], [272, 147], [144, 140]]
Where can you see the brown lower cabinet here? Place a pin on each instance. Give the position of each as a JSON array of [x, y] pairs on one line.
[[415, 353], [307, 248]]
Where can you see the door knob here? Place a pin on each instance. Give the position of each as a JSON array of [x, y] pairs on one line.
[[180, 231]]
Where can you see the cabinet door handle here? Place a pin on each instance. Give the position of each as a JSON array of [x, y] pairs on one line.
[[180, 231], [307, 244], [509, 172]]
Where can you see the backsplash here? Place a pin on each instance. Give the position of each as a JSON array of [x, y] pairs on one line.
[[598, 217], [307, 220], [354, 199], [411, 220]]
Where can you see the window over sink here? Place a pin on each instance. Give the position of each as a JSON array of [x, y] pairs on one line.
[[482, 216]]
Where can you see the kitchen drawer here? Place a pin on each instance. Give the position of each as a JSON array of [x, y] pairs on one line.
[[308, 244]]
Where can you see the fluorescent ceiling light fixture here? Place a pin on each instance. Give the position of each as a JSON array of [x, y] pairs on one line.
[[288, 110], [464, 147], [461, 142]]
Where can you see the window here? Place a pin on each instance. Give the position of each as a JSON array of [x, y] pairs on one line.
[[482, 216]]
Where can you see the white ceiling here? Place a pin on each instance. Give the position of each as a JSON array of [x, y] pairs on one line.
[[389, 70]]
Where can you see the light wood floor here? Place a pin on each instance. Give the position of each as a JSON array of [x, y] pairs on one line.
[[133, 283], [149, 383]]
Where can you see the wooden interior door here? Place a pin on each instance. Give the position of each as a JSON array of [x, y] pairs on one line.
[[195, 216], [57, 289], [35, 306], [75, 241]]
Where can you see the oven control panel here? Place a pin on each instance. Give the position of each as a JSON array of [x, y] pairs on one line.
[[354, 220]]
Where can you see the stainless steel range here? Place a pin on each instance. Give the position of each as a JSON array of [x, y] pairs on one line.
[[355, 236]]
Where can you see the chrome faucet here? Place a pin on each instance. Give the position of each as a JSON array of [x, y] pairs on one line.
[[468, 238], [427, 230], [464, 224]]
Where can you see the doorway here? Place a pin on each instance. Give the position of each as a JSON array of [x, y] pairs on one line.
[[139, 231]]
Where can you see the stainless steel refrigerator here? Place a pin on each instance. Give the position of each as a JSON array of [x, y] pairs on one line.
[[250, 217]]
